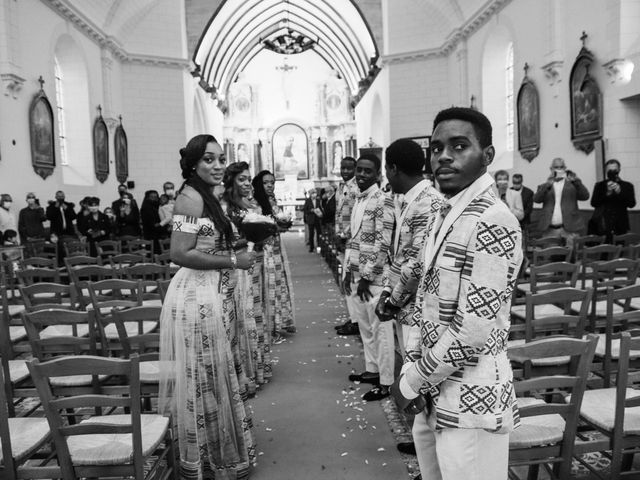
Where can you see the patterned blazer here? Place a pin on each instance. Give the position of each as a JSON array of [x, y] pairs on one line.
[[367, 249], [405, 268], [463, 312], [345, 198]]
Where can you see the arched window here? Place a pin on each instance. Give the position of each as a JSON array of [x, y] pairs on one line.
[[509, 100], [62, 129]]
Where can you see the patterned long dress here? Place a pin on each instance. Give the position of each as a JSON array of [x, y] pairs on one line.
[[279, 307], [202, 390], [258, 336]]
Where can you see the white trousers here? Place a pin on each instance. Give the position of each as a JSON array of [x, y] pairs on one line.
[[377, 336], [460, 453]]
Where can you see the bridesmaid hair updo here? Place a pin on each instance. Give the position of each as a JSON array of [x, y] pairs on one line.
[[189, 158]]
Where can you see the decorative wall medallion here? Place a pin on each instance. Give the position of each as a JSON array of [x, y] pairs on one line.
[[528, 105], [101, 147], [41, 132]]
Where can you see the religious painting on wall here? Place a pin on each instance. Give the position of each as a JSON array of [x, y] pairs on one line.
[[121, 149], [290, 152], [586, 102], [41, 132], [101, 148], [528, 105]]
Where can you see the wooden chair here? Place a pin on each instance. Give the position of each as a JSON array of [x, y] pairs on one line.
[[542, 256], [123, 260], [81, 275], [626, 239], [29, 276], [41, 296], [551, 276], [116, 445], [521, 312], [613, 412], [584, 241], [163, 286], [75, 247], [108, 248], [165, 259], [149, 274], [547, 432], [81, 261], [43, 249], [124, 242], [142, 247], [599, 253], [546, 242], [20, 439], [38, 262], [620, 316], [165, 244]]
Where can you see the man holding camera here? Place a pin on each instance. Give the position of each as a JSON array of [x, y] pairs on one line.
[[611, 199], [559, 195]]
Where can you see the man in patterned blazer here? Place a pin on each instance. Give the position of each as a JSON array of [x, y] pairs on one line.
[[365, 256], [345, 199], [456, 357]]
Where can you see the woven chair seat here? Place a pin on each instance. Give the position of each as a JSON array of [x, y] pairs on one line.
[[111, 332], [541, 362], [601, 308], [18, 370], [15, 310], [152, 302], [541, 311], [615, 348], [74, 380], [17, 333], [114, 449], [537, 430], [599, 408], [64, 331], [27, 434], [150, 372]]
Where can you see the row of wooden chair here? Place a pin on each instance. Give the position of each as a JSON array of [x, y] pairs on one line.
[[105, 248]]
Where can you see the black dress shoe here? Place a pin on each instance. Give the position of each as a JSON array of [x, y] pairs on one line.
[[419, 477], [351, 329], [345, 324], [365, 377], [376, 393], [408, 448]]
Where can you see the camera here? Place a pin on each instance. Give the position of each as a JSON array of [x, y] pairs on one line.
[[612, 175]]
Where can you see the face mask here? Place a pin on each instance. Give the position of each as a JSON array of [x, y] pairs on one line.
[[517, 187], [169, 192], [93, 209], [31, 201], [560, 173], [502, 184], [6, 205]]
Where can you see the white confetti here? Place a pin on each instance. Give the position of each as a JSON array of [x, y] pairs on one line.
[[381, 449], [344, 454]]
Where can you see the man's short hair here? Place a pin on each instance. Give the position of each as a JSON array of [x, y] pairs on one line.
[[406, 155], [613, 160], [501, 172], [517, 177], [122, 185], [480, 122], [372, 158], [349, 159], [165, 184]]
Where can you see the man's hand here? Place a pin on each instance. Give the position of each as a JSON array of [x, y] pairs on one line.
[[384, 310], [363, 292], [346, 284], [410, 406]]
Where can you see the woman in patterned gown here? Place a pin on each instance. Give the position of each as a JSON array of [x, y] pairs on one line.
[[278, 290], [199, 384], [254, 340]]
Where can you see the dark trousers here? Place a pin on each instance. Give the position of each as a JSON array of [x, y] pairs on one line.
[[314, 234]]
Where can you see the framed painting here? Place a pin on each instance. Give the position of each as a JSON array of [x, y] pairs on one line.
[[290, 150], [586, 103], [101, 149], [425, 142], [528, 107], [121, 150], [43, 156]]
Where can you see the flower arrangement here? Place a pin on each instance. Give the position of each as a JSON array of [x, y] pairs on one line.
[[257, 228]]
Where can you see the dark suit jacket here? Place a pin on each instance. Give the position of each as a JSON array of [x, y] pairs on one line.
[[611, 208], [571, 193], [310, 218], [55, 217], [527, 205], [329, 209]]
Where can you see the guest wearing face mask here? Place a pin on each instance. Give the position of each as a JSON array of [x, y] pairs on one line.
[[123, 192], [95, 225], [128, 217], [30, 221], [149, 213], [169, 191], [83, 215], [165, 211], [611, 199], [111, 218], [7, 217], [62, 216], [510, 197]]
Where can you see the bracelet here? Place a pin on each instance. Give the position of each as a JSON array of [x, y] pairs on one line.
[[234, 261]]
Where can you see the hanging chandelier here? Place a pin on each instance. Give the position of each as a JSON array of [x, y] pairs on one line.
[[289, 43]]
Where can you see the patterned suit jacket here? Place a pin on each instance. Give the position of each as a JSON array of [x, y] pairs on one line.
[[368, 247], [463, 312], [405, 268], [345, 198]]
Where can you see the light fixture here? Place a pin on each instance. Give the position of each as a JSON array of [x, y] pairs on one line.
[[291, 42]]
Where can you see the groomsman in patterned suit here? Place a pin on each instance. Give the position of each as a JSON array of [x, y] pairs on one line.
[[345, 199], [456, 357], [413, 215], [365, 257]]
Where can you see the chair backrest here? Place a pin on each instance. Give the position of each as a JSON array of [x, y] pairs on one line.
[[125, 260], [549, 392], [626, 239], [546, 242], [165, 244], [565, 322], [163, 258], [41, 296], [145, 344], [81, 275], [8, 466], [75, 247], [617, 273], [587, 241], [141, 247], [626, 377], [114, 293], [38, 262], [542, 256], [553, 275], [43, 249], [163, 286], [599, 253], [29, 276], [124, 242], [108, 248], [66, 333], [126, 399], [81, 261], [148, 274]]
